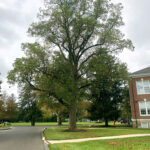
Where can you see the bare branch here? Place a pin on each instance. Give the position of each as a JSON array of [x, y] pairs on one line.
[[50, 93], [83, 62], [84, 86], [99, 44], [85, 41]]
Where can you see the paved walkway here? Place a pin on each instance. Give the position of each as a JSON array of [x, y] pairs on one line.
[[96, 138], [22, 138]]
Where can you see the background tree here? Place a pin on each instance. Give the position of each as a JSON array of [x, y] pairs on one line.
[[82, 108], [28, 106], [2, 110], [108, 76], [11, 109], [8, 108], [0, 88], [76, 28], [54, 107], [125, 105]]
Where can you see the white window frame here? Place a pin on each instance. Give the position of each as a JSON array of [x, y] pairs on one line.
[[142, 87], [145, 107]]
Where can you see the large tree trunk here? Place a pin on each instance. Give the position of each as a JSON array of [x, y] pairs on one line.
[[59, 121], [72, 119], [73, 106]]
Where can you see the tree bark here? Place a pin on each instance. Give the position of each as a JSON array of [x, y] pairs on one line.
[[106, 122], [73, 105], [32, 122], [59, 121], [72, 119]]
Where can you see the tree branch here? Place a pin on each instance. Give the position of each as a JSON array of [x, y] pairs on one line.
[[82, 63], [50, 93], [86, 85]]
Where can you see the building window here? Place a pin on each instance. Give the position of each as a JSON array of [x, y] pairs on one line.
[[143, 87], [144, 108], [144, 125]]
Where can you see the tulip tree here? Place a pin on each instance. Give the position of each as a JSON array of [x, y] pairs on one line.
[[76, 28]]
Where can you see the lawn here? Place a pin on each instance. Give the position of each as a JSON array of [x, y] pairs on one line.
[[60, 134], [37, 124], [139, 143], [55, 123]]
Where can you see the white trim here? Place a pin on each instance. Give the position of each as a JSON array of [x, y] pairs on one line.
[[141, 120], [140, 75], [145, 101]]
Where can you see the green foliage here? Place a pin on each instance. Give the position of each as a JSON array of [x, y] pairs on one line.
[[2, 110], [71, 32], [28, 109], [108, 76], [125, 105], [8, 108], [74, 25], [11, 109]]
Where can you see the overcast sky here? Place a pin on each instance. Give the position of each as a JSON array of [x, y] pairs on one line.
[[17, 15]]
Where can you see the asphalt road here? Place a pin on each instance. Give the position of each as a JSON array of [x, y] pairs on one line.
[[22, 138]]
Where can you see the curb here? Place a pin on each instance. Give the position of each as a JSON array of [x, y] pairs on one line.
[[45, 141]]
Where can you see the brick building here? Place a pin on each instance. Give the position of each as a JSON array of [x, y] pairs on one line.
[[139, 87]]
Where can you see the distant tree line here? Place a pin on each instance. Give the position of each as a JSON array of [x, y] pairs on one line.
[[8, 108]]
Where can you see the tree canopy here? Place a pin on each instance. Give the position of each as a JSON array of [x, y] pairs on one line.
[[108, 76], [29, 109], [8, 108], [71, 33]]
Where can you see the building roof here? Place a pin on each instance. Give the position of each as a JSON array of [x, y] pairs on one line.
[[141, 73]]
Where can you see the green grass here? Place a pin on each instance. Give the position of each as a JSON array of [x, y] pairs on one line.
[[6, 126], [59, 134], [37, 123], [47, 123], [138, 143], [55, 123]]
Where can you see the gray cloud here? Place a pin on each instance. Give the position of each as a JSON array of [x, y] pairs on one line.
[[139, 23], [4, 67], [15, 18], [17, 15], [136, 17]]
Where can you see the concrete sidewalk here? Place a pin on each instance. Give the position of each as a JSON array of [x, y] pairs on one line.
[[96, 138]]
